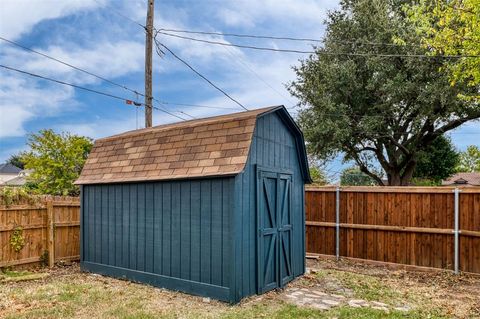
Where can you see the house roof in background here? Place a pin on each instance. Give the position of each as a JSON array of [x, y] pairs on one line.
[[198, 148], [472, 179], [16, 181], [8, 168]]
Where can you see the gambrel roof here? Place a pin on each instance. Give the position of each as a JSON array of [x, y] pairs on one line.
[[198, 148]]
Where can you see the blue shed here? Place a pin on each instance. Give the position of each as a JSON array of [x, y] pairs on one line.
[[213, 207]]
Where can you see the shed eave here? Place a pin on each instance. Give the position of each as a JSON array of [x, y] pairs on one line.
[[155, 179]]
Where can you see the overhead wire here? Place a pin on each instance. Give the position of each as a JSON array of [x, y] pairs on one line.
[[199, 106], [82, 70], [69, 65], [159, 53], [199, 74], [183, 61], [192, 105], [241, 35], [83, 88], [254, 36], [423, 56], [219, 43], [238, 59], [143, 104], [235, 45]]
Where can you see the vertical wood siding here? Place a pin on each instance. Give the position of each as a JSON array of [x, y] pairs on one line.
[[176, 229], [273, 146]]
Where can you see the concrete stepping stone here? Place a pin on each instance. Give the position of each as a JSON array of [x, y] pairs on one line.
[[330, 302], [319, 293], [379, 304], [404, 308], [357, 303]]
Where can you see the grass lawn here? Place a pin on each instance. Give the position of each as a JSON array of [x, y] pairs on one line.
[[66, 292]]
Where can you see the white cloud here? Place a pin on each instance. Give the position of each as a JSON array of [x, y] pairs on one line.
[[107, 59], [102, 127], [107, 126], [254, 78], [12, 119], [235, 18], [251, 12], [23, 100], [17, 17]]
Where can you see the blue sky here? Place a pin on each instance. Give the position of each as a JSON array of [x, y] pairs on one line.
[[90, 35]]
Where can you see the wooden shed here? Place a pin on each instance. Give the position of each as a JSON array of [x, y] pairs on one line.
[[212, 207]]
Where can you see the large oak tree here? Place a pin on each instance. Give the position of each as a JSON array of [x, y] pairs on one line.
[[376, 109]]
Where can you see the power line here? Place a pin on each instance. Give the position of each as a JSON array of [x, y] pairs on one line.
[[200, 75], [234, 45], [242, 35], [69, 65], [173, 103], [238, 59], [320, 52], [199, 106], [143, 104], [253, 36], [79, 69], [82, 88]]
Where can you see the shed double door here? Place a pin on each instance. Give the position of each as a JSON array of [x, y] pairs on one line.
[[274, 241]]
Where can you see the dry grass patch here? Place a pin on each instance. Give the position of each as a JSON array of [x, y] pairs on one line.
[[67, 293], [438, 292]]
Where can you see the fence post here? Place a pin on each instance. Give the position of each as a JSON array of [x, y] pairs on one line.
[[337, 223], [50, 233], [456, 231]]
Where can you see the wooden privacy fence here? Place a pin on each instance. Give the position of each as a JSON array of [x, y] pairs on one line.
[[404, 225], [44, 230]]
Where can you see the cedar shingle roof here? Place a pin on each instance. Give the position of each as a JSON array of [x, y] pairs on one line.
[[204, 147]]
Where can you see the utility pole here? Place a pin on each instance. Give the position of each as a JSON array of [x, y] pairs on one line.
[[148, 64]]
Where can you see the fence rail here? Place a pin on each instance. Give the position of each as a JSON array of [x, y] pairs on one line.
[[49, 229], [411, 226], [419, 226]]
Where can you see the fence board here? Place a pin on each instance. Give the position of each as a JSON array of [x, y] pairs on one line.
[[63, 227], [407, 225]]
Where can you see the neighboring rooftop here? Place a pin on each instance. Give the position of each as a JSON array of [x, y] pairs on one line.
[[463, 179], [16, 181], [205, 147], [8, 168]]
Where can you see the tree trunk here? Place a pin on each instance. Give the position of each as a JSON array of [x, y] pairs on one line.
[[408, 173], [398, 178], [394, 178]]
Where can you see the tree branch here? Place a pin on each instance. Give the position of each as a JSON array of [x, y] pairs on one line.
[[363, 167]]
